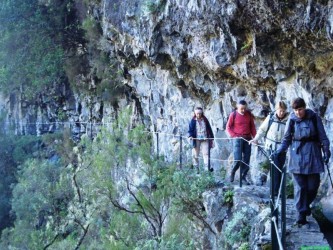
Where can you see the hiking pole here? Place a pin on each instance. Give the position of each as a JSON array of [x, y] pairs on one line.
[[329, 174]]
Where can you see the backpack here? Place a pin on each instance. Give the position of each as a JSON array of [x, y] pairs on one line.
[[271, 119], [233, 114]]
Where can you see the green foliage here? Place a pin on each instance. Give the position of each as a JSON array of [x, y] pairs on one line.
[[102, 67], [223, 172], [228, 197], [289, 187], [39, 179], [246, 45], [187, 193], [3, 113], [166, 244], [87, 2], [60, 145], [106, 193], [14, 150], [76, 65], [179, 225], [244, 246], [265, 166], [267, 247], [108, 74], [155, 6], [25, 147], [39, 193], [31, 45], [238, 229], [124, 231], [192, 186], [7, 177], [92, 28], [118, 170]]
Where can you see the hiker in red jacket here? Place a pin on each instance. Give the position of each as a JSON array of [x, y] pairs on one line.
[[241, 126]]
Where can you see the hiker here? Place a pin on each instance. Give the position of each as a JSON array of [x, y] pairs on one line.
[[201, 134], [306, 136], [241, 126], [272, 130]]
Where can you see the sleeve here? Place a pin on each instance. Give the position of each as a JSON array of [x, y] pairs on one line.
[[191, 129], [262, 129], [322, 134], [211, 135], [229, 126]]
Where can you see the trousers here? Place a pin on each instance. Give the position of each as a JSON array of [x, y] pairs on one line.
[[306, 188], [201, 145], [242, 154]]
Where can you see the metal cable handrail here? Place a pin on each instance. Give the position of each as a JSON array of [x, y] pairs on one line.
[[276, 229]]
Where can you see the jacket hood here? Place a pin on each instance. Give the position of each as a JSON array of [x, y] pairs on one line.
[[308, 115], [284, 119]]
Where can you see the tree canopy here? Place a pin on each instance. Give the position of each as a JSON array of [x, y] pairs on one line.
[[32, 44]]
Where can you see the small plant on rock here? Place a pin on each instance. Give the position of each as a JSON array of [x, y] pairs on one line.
[[245, 246], [238, 229], [228, 197]]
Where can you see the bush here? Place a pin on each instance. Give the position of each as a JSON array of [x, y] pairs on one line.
[[244, 246], [228, 197], [92, 28], [155, 6], [31, 45], [237, 230], [40, 205], [14, 150]]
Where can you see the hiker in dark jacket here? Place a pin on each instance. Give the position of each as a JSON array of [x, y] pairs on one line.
[[306, 137], [201, 134]]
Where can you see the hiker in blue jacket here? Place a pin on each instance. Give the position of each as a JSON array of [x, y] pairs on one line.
[[201, 134], [306, 137]]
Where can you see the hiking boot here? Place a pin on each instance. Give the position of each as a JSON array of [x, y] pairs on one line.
[[301, 220], [245, 181], [232, 176]]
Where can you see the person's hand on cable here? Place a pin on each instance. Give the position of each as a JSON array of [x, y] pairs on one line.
[[327, 156], [255, 142]]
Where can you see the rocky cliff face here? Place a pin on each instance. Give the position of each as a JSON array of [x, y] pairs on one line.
[[179, 54]]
